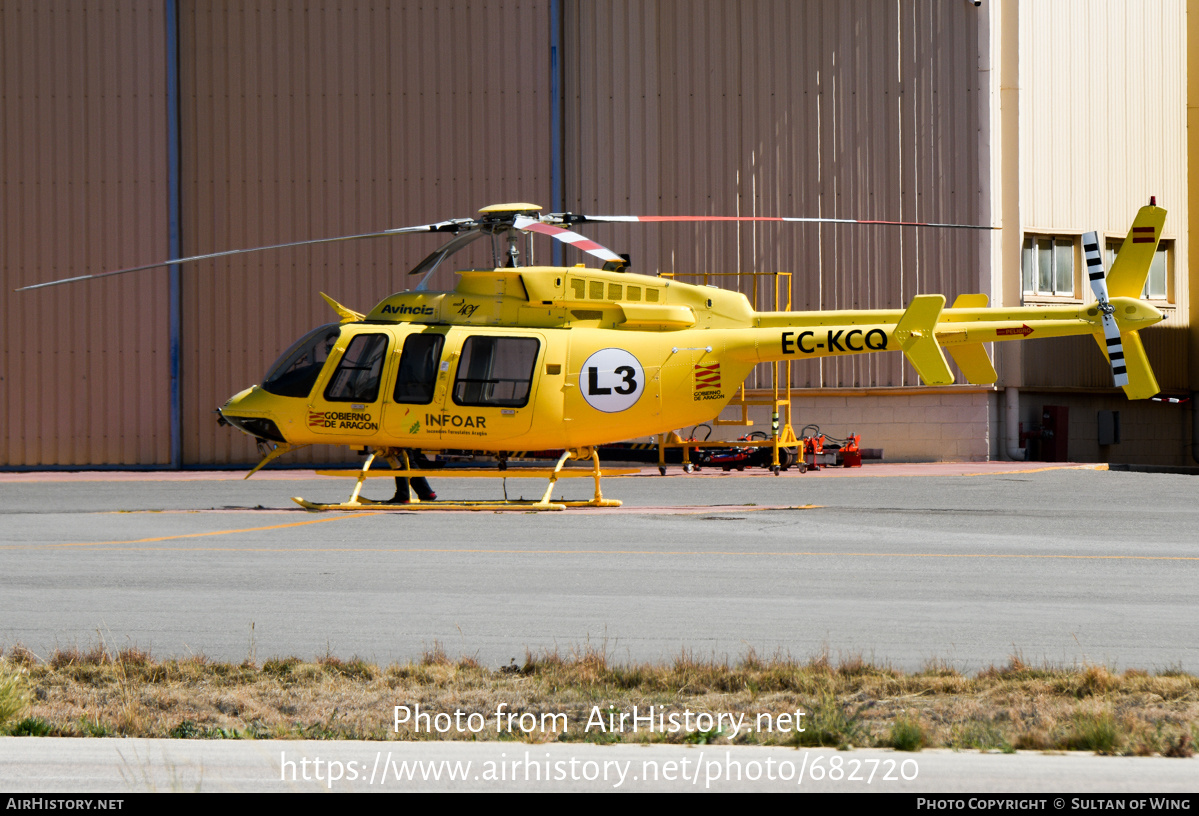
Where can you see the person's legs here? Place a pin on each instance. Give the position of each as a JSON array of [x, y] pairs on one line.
[[423, 491], [401, 496], [419, 483]]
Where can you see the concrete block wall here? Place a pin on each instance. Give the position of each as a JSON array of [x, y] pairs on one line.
[[966, 424], [1152, 433], [909, 425]]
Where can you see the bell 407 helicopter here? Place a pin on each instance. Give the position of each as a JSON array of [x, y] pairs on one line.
[[568, 358]]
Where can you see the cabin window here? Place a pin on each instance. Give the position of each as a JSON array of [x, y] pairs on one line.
[[357, 376], [296, 370], [418, 369], [496, 371]]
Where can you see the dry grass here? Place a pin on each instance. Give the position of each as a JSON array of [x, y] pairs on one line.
[[850, 702]]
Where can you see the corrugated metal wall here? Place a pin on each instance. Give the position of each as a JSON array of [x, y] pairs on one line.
[[316, 119], [842, 109], [328, 118], [84, 370], [1103, 128]]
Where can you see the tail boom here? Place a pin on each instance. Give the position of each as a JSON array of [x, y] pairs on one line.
[[926, 329]]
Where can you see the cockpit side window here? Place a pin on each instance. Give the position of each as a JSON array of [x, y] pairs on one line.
[[496, 371], [295, 372], [418, 369], [357, 376]]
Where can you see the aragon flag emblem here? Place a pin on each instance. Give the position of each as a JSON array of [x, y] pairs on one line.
[[707, 375]]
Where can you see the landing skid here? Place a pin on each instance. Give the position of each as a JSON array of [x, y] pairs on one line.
[[356, 502], [369, 504]]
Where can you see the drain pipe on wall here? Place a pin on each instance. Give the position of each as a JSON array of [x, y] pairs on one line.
[[1011, 425]]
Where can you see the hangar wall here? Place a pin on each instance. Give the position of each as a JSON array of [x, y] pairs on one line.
[[297, 121], [84, 369], [332, 117], [838, 109], [841, 109]]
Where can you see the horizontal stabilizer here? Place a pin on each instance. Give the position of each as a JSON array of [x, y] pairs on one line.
[[977, 301], [974, 362], [916, 334]]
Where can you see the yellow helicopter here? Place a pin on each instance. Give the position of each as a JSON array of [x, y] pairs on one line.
[[568, 358]]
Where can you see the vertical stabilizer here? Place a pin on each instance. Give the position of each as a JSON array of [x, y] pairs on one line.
[[1131, 267], [1120, 343], [1141, 382]]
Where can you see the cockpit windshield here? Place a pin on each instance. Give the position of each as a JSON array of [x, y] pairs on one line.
[[295, 372]]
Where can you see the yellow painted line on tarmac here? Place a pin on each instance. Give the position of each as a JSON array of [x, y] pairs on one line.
[[1038, 470], [850, 473], [122, 544], [496, 506]]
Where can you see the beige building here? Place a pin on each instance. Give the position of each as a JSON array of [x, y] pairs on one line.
[[136, 130]]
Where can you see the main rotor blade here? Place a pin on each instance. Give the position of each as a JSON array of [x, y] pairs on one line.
[[567, 237], [572, 218], [441, 226], [431, 261]]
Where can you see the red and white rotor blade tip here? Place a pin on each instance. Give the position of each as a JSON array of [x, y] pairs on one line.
[[650, 219], [567, 237]]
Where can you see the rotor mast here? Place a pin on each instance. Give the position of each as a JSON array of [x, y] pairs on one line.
[[502, 218]]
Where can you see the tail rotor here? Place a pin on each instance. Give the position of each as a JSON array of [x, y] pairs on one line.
[[1121, 340], [1113, 345]]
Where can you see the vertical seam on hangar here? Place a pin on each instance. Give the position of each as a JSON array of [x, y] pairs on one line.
[[174, 239]]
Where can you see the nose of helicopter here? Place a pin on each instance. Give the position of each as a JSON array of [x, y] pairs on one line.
[[250, 412]]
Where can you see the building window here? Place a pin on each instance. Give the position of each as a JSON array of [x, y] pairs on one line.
[[1047, 265], [1157, 284]]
